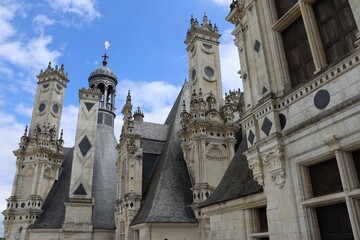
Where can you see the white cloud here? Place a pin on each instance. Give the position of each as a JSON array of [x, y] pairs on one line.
[[40, 22], [83, 8], [229, 60], [7, 72], [68, 124], [221, 2], [34, 54], [154, 98], [6, 15], [23, 110]]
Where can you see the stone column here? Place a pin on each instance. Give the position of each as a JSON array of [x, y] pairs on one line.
[[113, 101], [105, 97], [314, 38], [350, 182], [13, 192]]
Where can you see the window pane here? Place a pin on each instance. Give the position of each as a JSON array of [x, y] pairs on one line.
[[263, 219], [337, 27], [356, 157], [334, 222], [325, 178], [298, 53], [282, 6]]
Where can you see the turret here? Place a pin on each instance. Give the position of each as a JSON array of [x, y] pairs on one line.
[[104, 79], [39, 156], [202, 42]]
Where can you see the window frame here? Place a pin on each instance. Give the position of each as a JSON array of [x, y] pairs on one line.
[[350, 194], [304, 9]]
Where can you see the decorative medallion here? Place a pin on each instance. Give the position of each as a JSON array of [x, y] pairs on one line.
[[55, 108], [209, 72], [42, 107], [282, 118], [321, 99]]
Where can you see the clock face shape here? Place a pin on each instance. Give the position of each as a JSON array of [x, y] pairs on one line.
[[209, 72], [55, 108], [193, 76], [42, 107]]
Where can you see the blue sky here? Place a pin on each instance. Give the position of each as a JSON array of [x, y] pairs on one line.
[[147, 53]]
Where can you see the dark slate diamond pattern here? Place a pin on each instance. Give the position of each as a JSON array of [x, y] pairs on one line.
[[257, 46], [266, 126], [89, 105], [251, 137], [80, 190], [207, 194], [84, 146]]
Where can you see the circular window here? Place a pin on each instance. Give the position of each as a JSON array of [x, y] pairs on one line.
[[42, 107], [193, 74], [209, 72], [55, 108]]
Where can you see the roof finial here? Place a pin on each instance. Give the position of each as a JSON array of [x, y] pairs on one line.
[[26, 129], [205, 20], [128, 97], [105, 61], [61, 134]]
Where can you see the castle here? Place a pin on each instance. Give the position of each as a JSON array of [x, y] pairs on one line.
[[280, 160]]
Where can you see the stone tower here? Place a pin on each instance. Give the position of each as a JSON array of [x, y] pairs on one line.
[[39, 155], [208, 131], [94, 145], [130, 172], [202, 42]]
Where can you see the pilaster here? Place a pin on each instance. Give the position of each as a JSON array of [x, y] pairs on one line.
[[78, 213]]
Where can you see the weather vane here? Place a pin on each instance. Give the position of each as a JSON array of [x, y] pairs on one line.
[[107, 45]]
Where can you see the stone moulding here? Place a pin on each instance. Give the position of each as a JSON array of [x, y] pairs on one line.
[[275, 161]]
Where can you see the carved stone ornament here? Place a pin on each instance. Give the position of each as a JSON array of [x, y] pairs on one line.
[[256, 166], [275, 161], [332, 142]]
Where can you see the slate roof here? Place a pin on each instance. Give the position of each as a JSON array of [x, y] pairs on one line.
[[53, 214], [168, 197], [238, 179], [104, 178], [154, 131]]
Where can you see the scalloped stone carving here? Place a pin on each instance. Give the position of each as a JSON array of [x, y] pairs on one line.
[[256, 166], [275, 162]]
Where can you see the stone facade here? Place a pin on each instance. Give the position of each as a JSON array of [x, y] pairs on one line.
[[293, 130], [280, 160]]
